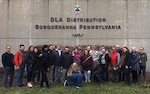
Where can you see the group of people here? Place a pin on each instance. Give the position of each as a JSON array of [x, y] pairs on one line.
[[72, 66]]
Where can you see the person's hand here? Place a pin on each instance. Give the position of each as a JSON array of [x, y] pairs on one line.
[[40, 55], [126, 67], [17, 68]]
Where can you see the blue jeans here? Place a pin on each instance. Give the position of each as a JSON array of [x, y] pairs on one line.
[[75, 79], [8, 71], [20, 74], [63, 74], [56, 73], [143, 70], [87, 75]]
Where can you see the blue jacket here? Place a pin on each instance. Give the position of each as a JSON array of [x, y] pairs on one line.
[[136, 61]]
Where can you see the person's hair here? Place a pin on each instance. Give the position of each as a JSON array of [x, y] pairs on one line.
[[36, 48], [50, 45], [8, 46], [127, 49], [21, 45], [30, 48], [44, 46], [87, 51]]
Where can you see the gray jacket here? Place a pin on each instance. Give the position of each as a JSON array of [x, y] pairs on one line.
[[136, 61]]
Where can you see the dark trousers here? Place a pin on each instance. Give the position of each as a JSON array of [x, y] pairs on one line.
[[8, 71], [135, 76], [44, 78], [29, 76], [115, 76], [105, 70], [37, 75], [127, 76], [98, 78], [20, 75]]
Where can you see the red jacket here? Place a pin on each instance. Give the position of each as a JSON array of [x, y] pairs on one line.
[[114, 58], [18, 59]]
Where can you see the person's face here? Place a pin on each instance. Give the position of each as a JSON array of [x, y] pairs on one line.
[[58, 47], [113, 49], [46, 49], [51, 47], [133, 50], [88, 48], [76, 51], [124, 50], [141, 50], [8, 48], [86, 52], [103, 51], [35, 50], [66, 50], [32, 49], [22, 48]]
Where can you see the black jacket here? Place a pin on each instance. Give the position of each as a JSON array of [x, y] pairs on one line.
[[107, 59], [30, 61], [7, 59], [128, 62], [51, 57], [58, 59], [67, 60]]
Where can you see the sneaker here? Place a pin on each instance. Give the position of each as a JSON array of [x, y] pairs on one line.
[[29, 85], [85, 80], [78, 87], [65, 83], [89, 81]]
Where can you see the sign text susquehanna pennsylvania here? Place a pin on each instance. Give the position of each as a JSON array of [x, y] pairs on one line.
[[95, 23]]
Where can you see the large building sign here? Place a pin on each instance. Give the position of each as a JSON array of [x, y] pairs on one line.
[[80, 26]]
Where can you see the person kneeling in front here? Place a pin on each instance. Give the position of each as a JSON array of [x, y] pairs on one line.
[[74, 76]]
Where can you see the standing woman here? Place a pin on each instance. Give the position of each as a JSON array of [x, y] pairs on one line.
[[126, 58], [87, 62], [30, 64]]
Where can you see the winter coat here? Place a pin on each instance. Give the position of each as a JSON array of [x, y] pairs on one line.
[[51, 57], [107, 59], [127, 62], [7, 59], [135, 61], [86, 64], [30, 61], [58, 58], [67, 60]]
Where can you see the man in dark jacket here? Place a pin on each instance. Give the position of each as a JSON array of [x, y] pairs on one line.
[[58, 60], [8, 64], [51, 62], [67, 60], [44, 66], [104, 62]]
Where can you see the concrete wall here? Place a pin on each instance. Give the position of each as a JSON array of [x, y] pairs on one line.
[[19, 17]]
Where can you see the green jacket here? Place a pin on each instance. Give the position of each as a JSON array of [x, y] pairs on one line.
[[143, 59]]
